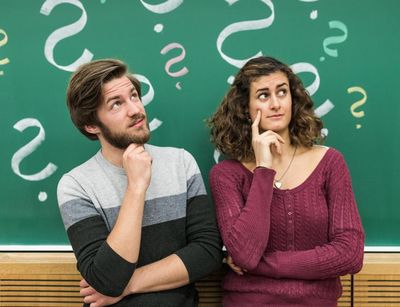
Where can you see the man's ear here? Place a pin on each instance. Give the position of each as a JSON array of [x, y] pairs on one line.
[[93, 129]]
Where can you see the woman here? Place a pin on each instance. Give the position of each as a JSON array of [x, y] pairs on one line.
[[285, 206]]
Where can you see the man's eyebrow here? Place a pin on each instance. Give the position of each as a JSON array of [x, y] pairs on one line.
[[132, 89], [112, 98]]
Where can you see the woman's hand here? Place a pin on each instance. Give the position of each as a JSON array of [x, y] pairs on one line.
[[263, 142], [234, 267]]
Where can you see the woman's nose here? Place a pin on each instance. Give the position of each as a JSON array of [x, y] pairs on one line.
[[275, 103]]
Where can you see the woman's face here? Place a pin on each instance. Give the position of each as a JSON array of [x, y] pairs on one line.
[[271, 95]]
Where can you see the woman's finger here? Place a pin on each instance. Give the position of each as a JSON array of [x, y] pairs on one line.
[[254, 126], [233, 266], [278, 146], [270, 133]]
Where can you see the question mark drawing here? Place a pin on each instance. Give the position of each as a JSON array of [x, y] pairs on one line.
[[65, 32], [359, 103], [183, 71], [334, 24], [27, 149], [2, 43], [243, 26], [314, 13], [216, 155], [158, 28], [148, 98], [162, 8], [327, 105]]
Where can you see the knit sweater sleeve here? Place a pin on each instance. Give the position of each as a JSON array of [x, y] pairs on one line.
[[104, 269], [344, 252], [203, 252], [243, 223]]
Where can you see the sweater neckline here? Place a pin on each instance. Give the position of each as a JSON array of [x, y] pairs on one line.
[[305, 182], [108, 165]]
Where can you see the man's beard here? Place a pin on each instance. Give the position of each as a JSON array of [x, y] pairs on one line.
[[122, 140]]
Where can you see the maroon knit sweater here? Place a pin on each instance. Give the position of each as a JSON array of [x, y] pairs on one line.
[[293, 243]]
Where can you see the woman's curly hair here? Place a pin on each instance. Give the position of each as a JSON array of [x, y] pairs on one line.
[[231, 124]]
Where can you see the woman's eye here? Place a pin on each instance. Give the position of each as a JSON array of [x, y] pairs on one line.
[[263, 96], [282, 92]]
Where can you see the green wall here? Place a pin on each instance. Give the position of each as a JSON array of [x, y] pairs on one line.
[[346, 52]]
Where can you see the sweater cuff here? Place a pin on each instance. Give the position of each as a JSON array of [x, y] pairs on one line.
[[268, 174], [115, 270], [264, 169]]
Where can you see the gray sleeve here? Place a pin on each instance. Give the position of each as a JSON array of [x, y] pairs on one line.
[[99, 264]]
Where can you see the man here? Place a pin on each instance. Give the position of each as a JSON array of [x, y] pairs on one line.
[[137, 215]]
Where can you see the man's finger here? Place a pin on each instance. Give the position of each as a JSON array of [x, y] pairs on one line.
[[83, 283], [87, 291], [88, 299], [134, 147]]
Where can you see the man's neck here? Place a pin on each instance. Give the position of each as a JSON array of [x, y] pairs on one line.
[[112, 154]]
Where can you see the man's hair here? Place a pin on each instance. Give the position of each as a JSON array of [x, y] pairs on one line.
[[231, 123], [85, 90]]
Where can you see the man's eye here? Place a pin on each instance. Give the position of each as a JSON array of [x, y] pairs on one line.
[[135, 96], [115, 105]]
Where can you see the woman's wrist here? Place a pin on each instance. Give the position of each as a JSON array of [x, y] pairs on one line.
[[263, 165]]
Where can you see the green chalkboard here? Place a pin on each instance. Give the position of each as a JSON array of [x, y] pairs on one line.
[[184, 52]]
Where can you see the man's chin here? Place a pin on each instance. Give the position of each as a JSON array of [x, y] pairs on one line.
[[141, 139], [125, 142]]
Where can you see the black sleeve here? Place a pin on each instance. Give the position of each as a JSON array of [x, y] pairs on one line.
[[203, 253], [99, 264]]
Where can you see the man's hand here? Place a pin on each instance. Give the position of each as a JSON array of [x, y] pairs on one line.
[[137, 164], [94, 298]]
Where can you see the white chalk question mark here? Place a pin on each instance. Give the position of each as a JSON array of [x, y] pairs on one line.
[[2, 43]]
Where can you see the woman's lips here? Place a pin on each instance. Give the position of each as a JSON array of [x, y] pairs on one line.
[[275, 116]]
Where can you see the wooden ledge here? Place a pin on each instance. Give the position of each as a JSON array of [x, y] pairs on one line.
[[37, 263], [51, 279], [59, 262], [381, 263]]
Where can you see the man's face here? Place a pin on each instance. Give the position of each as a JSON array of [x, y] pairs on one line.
[[121, 115]]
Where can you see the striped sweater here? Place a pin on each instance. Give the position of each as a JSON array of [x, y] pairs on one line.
[[178, 218]]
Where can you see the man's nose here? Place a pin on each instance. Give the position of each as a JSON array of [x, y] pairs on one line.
[[133, 107]]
